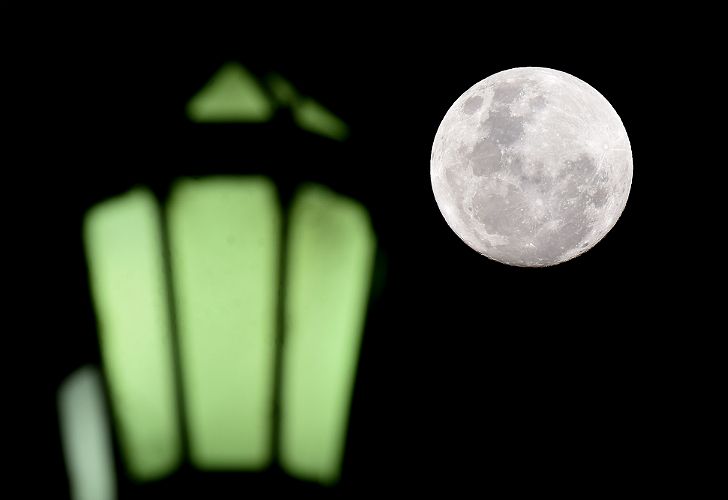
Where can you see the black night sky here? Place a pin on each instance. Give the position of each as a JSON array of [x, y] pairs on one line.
[[473, 376]]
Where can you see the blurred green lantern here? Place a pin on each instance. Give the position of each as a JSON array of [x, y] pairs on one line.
[[192, 297]]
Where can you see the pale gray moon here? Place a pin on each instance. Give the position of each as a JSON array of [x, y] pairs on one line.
[[531, 167]]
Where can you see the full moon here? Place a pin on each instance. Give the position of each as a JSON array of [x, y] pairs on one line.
[[531, 167]]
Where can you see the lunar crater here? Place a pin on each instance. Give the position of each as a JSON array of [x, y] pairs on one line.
[[472, 104]]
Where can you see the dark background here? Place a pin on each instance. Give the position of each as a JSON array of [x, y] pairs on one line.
[[473, 376]]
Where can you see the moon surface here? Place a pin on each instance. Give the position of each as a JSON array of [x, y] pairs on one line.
[[531, 167]]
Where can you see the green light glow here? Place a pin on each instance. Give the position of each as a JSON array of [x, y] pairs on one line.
[[123, 246], [308, 114], [312, 116], [282, 89], [224, 235], [86, 438], [330, 258], [232, 95]]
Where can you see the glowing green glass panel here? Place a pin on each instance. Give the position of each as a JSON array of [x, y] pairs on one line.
[[312, 116], [330, 255], [123, 245], [224, 235], [86, 437], [232, 95]]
